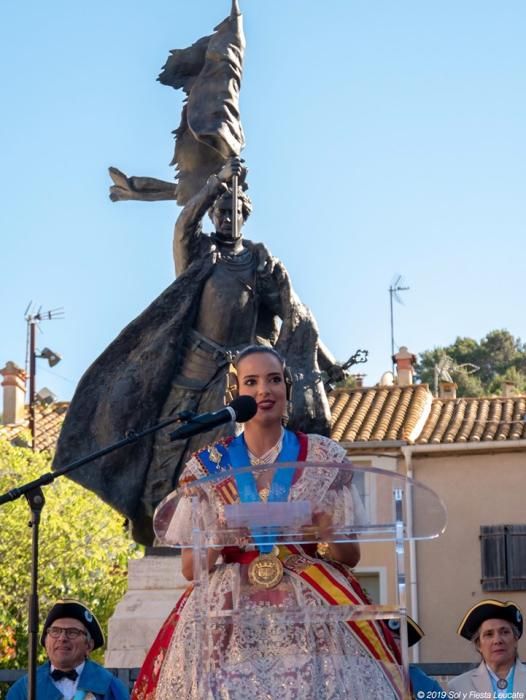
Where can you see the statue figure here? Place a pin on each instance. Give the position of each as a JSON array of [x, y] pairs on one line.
[[228, 293], [175, 356]]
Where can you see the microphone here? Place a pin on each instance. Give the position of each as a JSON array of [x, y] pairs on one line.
[[241, 409]]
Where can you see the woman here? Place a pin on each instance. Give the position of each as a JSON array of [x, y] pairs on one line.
[[494, 627], [281, 660]]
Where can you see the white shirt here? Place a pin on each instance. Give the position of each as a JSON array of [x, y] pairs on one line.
[[67, 687]]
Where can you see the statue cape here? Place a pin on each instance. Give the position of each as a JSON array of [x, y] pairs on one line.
[[126, 387]]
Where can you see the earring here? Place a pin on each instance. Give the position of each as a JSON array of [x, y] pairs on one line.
[[232, 385], [286, 413]]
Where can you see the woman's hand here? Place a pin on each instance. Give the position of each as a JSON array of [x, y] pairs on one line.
[[187, 562], [344, 552], [323, 523]]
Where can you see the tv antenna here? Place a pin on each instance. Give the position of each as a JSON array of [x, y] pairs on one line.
[[33, 318], [396, 286], [446, 365]]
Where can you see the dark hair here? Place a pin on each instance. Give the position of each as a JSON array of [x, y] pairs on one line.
[[254, 349]]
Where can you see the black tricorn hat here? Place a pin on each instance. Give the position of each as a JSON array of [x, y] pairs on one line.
[[414, 631], [489, 610], [78, 611]]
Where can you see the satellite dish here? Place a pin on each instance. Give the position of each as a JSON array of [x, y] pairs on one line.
[[46, 396], [387, 379]]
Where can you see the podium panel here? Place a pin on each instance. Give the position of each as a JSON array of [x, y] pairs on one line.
[[275, 611]]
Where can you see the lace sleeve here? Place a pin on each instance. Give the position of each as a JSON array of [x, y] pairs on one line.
[[179, 530], [345, 506]]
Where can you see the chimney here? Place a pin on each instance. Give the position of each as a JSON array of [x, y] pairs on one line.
[[405, 362], [14, 385], [447, 390], [358, 378], [508, 389]]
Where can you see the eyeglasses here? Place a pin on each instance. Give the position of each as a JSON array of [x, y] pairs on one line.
[[70, 632]]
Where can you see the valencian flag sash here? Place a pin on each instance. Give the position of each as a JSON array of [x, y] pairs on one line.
[[320, 576]]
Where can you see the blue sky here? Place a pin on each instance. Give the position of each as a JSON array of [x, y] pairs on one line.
[[383, 138]]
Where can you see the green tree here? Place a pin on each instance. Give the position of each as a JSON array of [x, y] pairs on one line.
[[350, 382], [499, 357], [84, 551]]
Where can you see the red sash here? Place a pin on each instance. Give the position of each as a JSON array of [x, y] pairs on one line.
[[146, 683], [373, 635]]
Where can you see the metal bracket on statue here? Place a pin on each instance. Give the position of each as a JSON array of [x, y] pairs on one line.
[[359, 357]]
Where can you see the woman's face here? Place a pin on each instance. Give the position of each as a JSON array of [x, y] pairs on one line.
[[260, 375], [497, 643]]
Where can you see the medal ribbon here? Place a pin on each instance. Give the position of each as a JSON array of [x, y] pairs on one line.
[[499, 691], [281, 481]]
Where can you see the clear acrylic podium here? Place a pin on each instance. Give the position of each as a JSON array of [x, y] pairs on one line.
[[298, 609]]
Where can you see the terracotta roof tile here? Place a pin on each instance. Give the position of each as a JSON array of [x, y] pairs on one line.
[[386, 415], [378, 413], [49, 421], [466, 426], [442, 424], [411, 414], [518, 424], [507, 416], [485, 419]]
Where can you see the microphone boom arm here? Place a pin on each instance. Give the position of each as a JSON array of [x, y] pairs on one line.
[[131, 437]]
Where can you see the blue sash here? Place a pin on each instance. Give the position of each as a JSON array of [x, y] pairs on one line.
[[281, 481]]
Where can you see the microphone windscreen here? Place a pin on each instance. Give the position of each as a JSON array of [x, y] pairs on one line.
[[245, 408]]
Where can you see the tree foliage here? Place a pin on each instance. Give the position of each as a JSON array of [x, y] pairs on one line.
[[84, 551], [349, 382], [499, 357]]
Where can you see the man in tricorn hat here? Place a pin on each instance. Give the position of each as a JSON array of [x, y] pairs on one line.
[[71, 631], [495, 628]]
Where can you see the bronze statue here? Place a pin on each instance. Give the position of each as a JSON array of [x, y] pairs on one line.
[[209, 72], [229, 292]]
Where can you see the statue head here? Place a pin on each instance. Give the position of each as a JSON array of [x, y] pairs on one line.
[[221, 215]]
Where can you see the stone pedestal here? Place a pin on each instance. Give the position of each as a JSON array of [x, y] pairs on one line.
[[154, 586]]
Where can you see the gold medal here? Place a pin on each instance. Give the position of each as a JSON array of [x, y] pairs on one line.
[[266, 571]]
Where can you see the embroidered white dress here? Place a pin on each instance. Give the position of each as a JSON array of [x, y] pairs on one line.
[[275, 659]]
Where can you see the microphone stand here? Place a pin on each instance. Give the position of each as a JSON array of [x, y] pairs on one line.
[[35, 498]]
